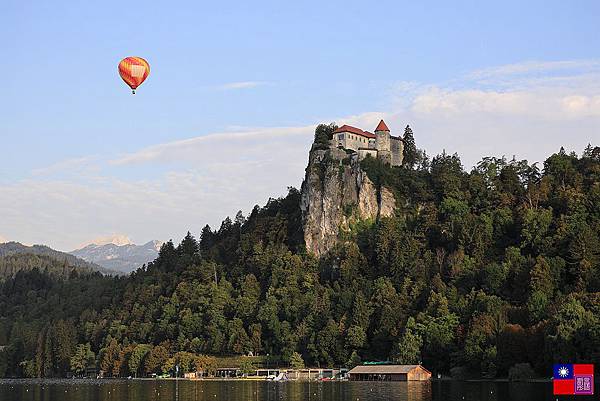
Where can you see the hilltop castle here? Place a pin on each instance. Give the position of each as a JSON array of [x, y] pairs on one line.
[[380, 145]]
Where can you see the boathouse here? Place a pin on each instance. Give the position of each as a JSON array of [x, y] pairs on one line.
[[389, 373]]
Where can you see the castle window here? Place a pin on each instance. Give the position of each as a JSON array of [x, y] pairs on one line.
[[341, 137]]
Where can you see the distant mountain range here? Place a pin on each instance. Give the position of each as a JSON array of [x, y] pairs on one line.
[[16, 248], [123, 258]]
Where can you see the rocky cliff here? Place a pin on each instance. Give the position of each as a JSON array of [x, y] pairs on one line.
[[336, 192]]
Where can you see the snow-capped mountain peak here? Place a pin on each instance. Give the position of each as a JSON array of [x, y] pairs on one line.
[[115, 239], [119, 253]]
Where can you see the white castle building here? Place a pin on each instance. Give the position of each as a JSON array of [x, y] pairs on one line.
[[381, 144]]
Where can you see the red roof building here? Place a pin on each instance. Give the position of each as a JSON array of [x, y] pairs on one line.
[[354, 130], [380, 145], [382, 127]]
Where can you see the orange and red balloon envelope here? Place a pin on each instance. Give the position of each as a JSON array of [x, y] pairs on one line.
[[134, 71]]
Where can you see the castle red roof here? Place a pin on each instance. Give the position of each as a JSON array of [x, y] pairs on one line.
[[354, 130], [382, 127]]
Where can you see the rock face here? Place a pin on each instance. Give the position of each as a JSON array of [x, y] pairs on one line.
[[335, 192]]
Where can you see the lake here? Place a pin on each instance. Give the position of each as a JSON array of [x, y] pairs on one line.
[[184, 390]]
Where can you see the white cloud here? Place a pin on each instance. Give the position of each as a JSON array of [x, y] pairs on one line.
[[3, 239], [242, 85], [543, 103], [583, 106]]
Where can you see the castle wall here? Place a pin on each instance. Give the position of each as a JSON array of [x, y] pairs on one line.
[[352, 141], [385, 156], [397, 151], [362, 153], [382, 140]]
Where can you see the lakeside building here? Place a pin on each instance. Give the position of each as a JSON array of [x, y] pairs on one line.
[[275, 373], [389, 373]]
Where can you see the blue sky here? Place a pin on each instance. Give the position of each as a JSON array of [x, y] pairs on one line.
[[244, 83]]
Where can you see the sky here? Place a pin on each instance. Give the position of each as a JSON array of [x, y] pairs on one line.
[[227, 115]]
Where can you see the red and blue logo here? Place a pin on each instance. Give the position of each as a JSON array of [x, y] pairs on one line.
[[573, 379]]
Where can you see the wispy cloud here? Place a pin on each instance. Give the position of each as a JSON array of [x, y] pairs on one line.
[[537, 67], [242, 85], [214, 145], [68, 165], [569, 75]]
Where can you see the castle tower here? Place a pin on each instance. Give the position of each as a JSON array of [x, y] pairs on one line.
[[382, 142]]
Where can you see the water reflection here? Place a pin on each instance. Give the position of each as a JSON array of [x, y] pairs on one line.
[[183, 390]]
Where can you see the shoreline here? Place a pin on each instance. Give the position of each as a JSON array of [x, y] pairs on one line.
[[84, 380]]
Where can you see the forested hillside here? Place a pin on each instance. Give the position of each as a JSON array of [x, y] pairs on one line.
[[478, 271], [10, 265], [16, 248]]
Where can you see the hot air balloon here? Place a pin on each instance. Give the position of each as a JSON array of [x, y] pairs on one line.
[[134, 71]]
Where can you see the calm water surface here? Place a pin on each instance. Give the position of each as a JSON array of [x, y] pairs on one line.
[[182, 390]]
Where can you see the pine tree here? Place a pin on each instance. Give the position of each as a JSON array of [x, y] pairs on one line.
[[408, 349], [207, 240], [354, 360], [410, 149], [296, 361], [82, 358], [188, 246]]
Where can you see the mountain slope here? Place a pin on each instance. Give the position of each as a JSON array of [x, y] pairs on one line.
[[15, 248], [12, 264], [122, 258]]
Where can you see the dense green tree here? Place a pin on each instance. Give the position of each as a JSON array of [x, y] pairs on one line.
[[408, 348], [296, 361], [82, 358], [136, 359], [155, 359], [354, 360], [247, 367], [323, 134], [542, 288], [409, 152]]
